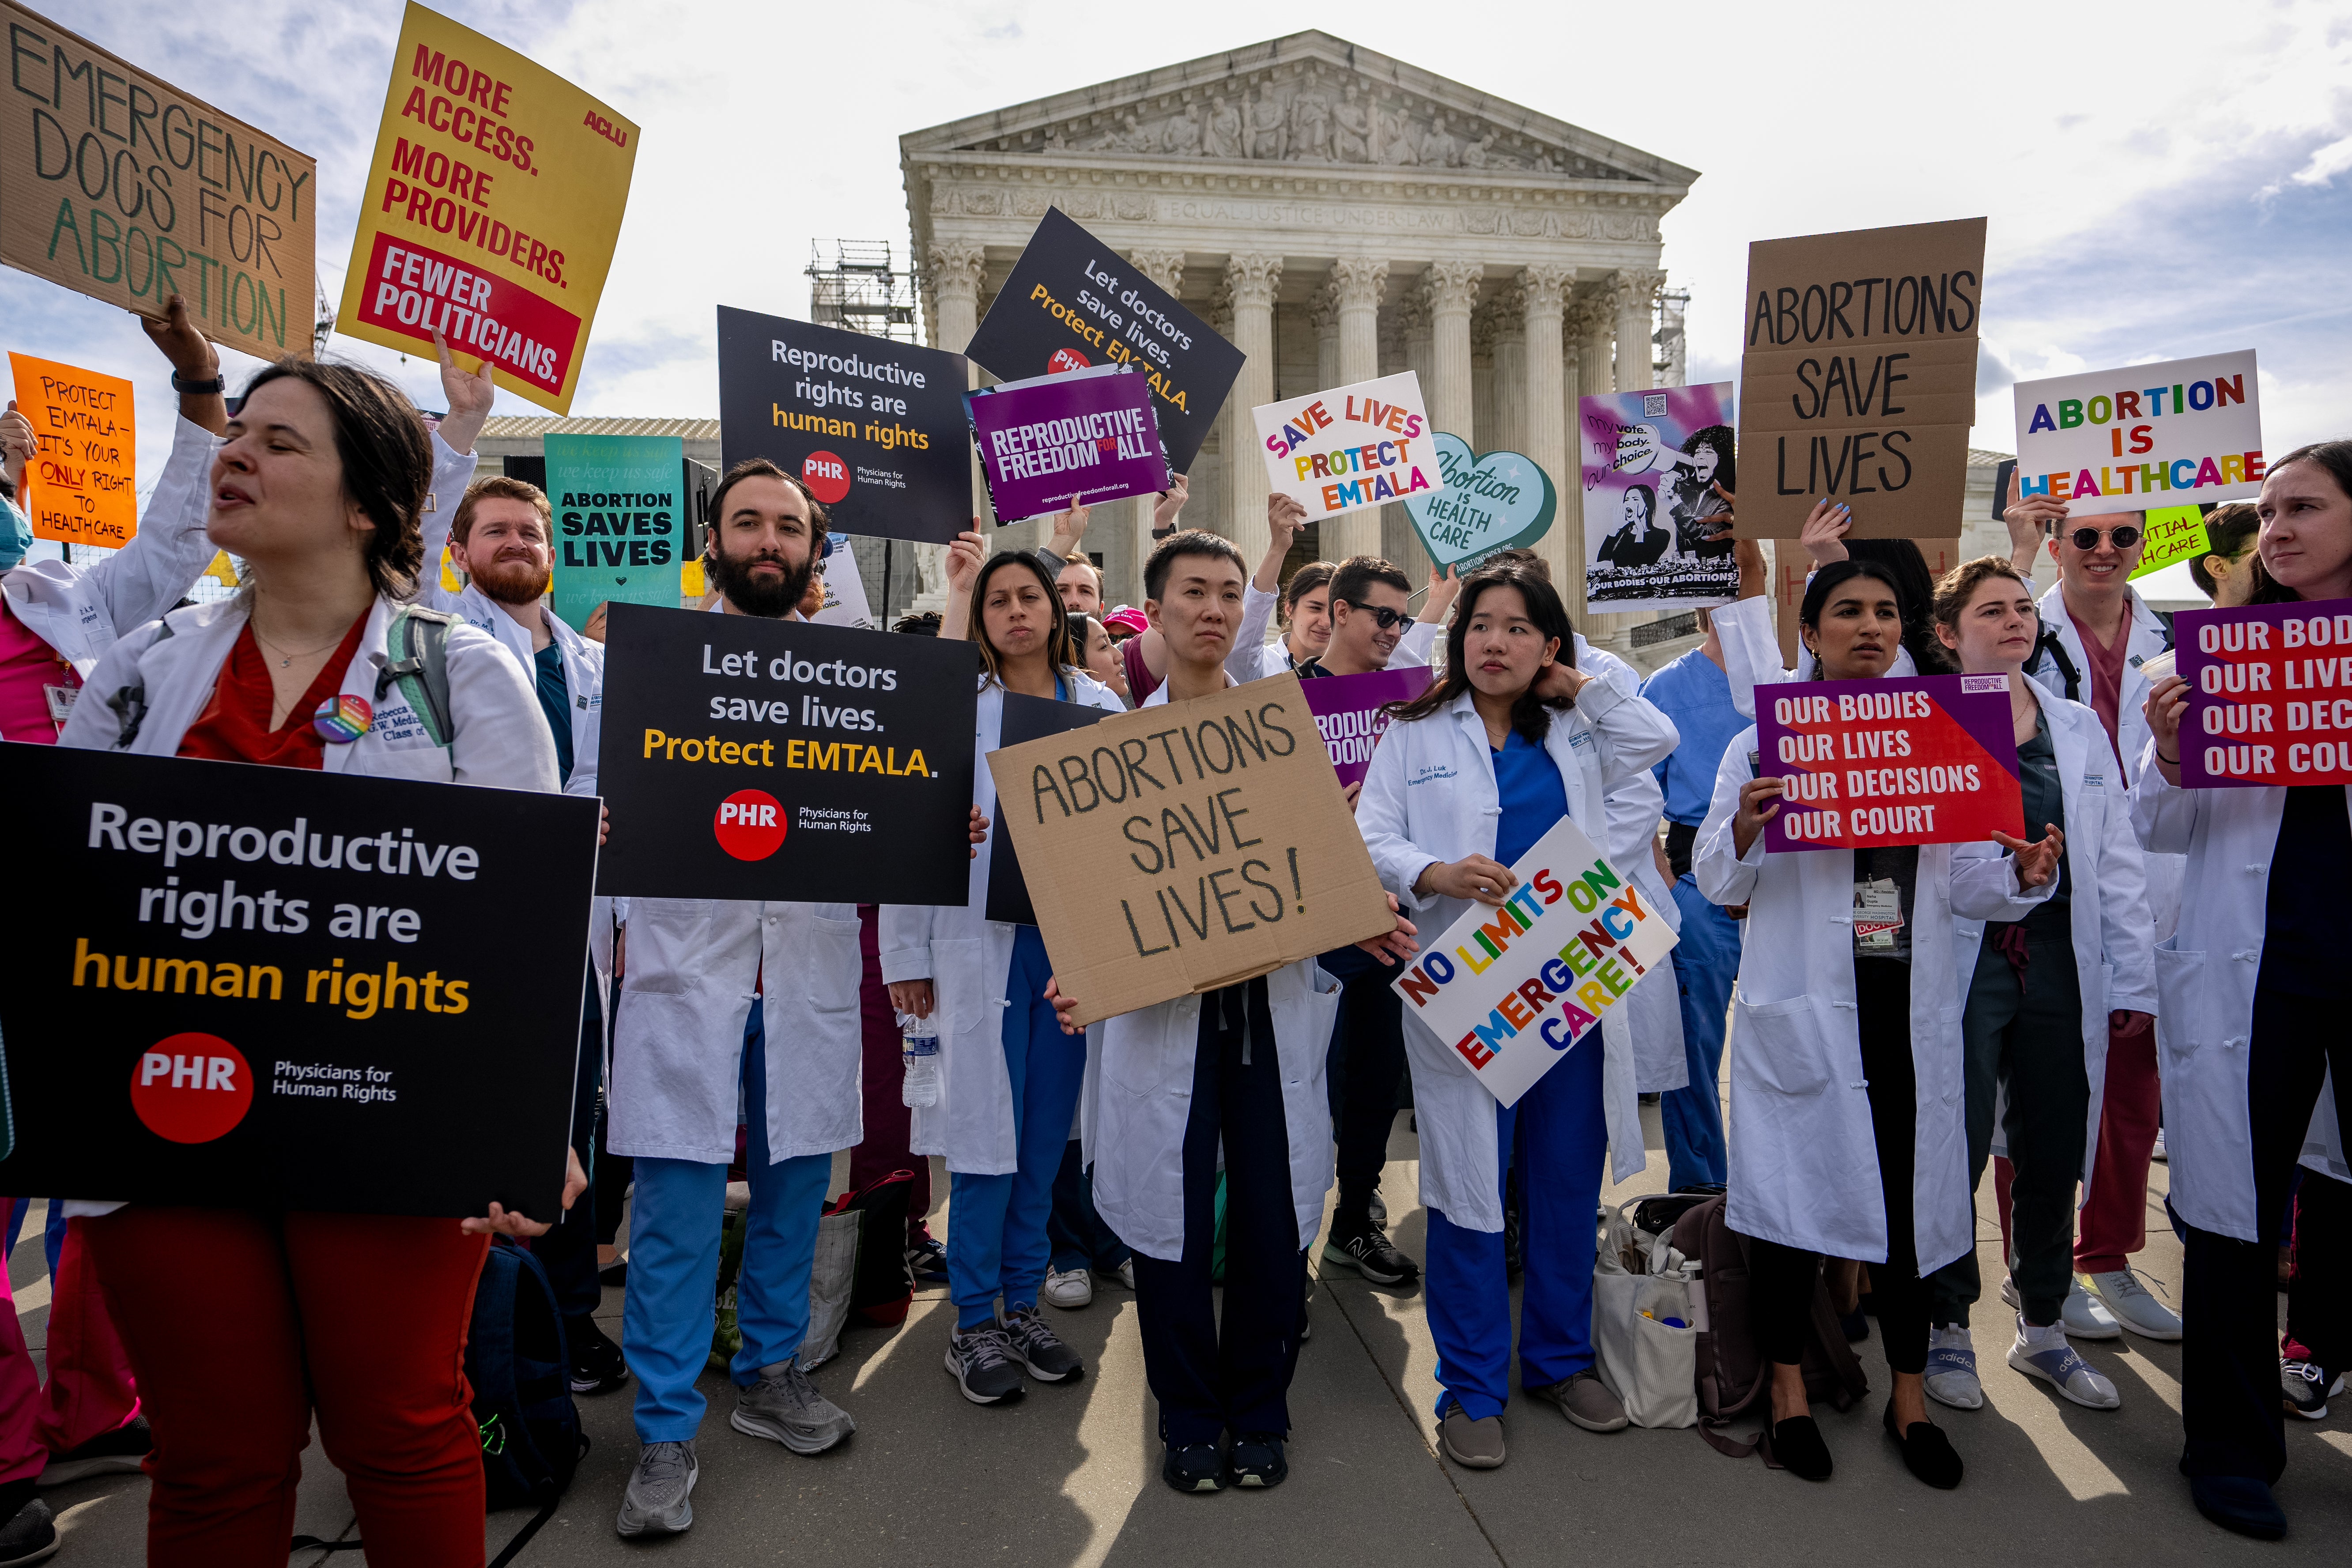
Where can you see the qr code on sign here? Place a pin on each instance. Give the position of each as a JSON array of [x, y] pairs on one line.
[[1653, 405]]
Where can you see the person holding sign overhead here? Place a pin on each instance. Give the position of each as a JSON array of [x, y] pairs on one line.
[[1010, 1080], [1846, 1137], [2252, 1023], [1469, 776]]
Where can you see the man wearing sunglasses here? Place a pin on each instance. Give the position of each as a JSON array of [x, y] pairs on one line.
[[2096, 633]]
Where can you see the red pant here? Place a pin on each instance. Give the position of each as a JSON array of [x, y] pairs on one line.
[[2114, 1224], [240, 1322], [889, 1125]]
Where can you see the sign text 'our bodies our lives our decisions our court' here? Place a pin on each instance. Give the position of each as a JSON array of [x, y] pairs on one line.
[[1867, 763], [2270, 695]]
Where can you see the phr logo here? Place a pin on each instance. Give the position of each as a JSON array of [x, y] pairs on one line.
[[750, 824], [192, 1088], [826, 475]]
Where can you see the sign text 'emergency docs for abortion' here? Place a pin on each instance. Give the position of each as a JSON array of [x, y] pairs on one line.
[[745, 758], [2270, 695], [1865, 763], [1182, 848], [284, 988]]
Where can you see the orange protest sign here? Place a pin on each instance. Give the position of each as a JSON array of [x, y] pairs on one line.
[[82, 486], [492, 206]]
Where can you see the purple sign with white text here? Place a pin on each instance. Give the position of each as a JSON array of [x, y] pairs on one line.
[[1347, 709], [2270, 695], [1087, 435]]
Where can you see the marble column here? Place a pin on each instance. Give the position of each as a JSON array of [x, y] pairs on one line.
[[955, 275], [1541, 302], [1635, 292], [1482, 378], [1416, 330], [1250, 281], [1359, 283], [1450, 288], [1508, 329]]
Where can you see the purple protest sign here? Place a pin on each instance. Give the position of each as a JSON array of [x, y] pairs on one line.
[[1347, 709], [1865, 763], [1088, 436], [2270, 695]]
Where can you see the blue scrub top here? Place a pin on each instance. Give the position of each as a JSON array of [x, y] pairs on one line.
[[1696, 695], [1533, 795], [555, 702]]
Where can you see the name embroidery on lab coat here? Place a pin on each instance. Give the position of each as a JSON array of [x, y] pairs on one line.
[[1431, 774]]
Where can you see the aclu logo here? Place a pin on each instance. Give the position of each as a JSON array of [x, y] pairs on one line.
[[750, 824], [190, 1088]]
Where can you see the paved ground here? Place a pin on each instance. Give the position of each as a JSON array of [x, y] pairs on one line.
[[1069, 1474]]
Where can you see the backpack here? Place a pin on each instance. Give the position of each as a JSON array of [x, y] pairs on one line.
[[1733, 1379], [882, 1288], [416, 645]]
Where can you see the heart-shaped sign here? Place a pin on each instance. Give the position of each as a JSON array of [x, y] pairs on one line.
[[1488, 503]]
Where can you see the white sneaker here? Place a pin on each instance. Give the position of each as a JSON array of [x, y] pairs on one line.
[[1125, 1274], [2044, 1354], [2084, 1315], [1952, 1369], [2157, 1154], [2136, 1310], [1068, 1291]]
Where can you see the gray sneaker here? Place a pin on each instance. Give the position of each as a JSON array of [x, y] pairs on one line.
[[659, 1501], [1586, 1400], [785, 1407], [1037, 1347], [983, 1365]]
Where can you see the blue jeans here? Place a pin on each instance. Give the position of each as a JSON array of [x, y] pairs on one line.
[[1706, 962], [674, 1229], [1562, 1133], [996, 1224]]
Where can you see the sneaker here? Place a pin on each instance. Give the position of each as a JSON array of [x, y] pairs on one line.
[[784, 1407], [927, 1261], [983, 1365], [2304, 1390], [1586, 1400], [109, 1453], [2132, 1305], [2157, 1154], [1037, 1347], [30, 1534], [2085, 1316], [1256, 1460], [1194, 1467], [1473, 1444], [1952, 1369], [1366, 1250], [2044, 1354], [1069, 1289], [597, 1366], [1124, 1274], [1378, 1208], [659, 1501]]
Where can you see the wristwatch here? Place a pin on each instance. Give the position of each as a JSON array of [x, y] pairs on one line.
[[218, 384]]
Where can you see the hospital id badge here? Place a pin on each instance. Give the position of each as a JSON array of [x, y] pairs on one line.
[[1878, 915]]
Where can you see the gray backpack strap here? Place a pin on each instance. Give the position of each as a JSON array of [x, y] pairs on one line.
[[416, 656], [130, 701]]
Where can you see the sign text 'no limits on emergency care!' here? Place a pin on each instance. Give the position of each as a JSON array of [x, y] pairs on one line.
[[492, 207], [2270, 695]]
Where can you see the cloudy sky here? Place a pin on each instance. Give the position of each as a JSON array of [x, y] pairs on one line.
[[2165, 179]]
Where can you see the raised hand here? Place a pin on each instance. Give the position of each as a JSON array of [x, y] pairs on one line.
[[470, 394], [1169, 502], [2037, 862], [1823, 535]]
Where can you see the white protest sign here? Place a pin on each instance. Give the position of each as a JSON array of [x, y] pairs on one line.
[[1511, 989], [2170, 434], [844, 590], [1351, 446]]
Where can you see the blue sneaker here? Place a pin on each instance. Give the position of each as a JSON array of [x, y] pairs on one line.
[[1951, 1373], [2044, 1354]]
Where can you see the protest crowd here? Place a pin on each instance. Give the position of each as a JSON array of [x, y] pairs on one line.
[[2133, 972]]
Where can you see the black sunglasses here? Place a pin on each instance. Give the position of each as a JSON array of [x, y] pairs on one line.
[[1382, 618], [2088, 538]]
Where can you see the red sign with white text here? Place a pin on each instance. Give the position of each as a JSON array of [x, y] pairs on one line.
[[412, 290], [1867, 763]]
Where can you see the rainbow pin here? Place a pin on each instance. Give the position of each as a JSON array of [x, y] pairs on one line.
[[342, 718]]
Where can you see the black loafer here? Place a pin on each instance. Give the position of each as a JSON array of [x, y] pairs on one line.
[[1194, 1467], [1797, 1448], [1926, 1452], [2238, 1503], [1257, 1462]]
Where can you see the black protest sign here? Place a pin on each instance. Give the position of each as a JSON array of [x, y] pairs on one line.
[[876, 429], [1025, 718], [281, 988], [744, 758], [1073, 302]]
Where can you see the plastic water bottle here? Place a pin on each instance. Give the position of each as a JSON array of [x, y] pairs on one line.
[[921, 1036]]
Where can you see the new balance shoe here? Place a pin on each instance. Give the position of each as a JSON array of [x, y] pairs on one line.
[[927, 1261], [1067, 1289], [2304, 1390], [661, 1488], [1952, 1369], [1194, 1467], [1366, 1250], [784, 1407], [2044, 1354], [2132, 1304], [597, 1366], [118, 1452], [1256, 1460], [1378, 1208], [2085, 1316], [1036, 1346], [981, 1362]]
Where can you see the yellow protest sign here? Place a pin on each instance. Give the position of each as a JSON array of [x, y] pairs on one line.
[[82, 486], [2174, 533], [493, 204]]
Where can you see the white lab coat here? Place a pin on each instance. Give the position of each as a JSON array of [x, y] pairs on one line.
[[968, 959], [1140, 1095], [2107, 911], [1652, 1018], [2206, 1022], [1430, 796]]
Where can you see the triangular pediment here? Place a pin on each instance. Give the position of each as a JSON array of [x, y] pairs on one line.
[[1307, 100]]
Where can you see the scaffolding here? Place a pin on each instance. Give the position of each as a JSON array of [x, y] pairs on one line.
[[857, 289], [1672, 363]]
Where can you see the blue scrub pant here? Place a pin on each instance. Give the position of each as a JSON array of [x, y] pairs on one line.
[[674, 1228], [1561, 1133], [1706, 962], [996, 1224]]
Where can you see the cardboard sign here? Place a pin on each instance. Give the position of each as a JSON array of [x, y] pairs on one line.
[[844, 590], [1906, 760], [1650, 461], [82, 486], [1483, 505], [1858, 382], [1512, 989], [1025, 718], [2270, 695], [876, 429], [1350, 448], [1185, 847], [2111, 440], [2174, 533], [619, 526], [119, 185], [492, 207], [1087, 436], [1350, 713], [754, 758], [1073, 302], [284, 988]]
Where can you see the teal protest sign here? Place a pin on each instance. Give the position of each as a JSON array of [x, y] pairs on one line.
[[619, 520], [1483, 505]]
